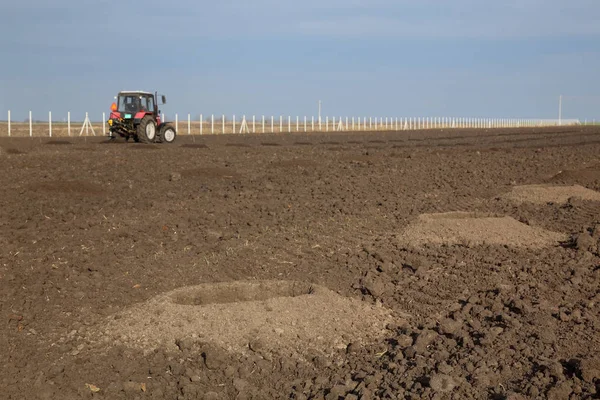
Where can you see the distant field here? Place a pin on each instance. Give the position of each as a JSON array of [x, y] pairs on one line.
[[277, 125], [60, 129]]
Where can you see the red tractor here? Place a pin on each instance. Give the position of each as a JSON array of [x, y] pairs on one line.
[[136, 115]]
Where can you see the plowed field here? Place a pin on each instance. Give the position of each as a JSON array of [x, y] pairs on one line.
[[457, 264]]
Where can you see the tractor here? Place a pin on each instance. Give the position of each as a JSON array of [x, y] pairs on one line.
[[135, 115]]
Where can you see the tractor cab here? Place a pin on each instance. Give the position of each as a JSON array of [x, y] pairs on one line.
[[136, 102], [129, 104], [135, 114]]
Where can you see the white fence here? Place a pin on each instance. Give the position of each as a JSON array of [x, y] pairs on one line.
[[221, 124]]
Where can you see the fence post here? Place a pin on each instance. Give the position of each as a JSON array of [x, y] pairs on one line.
[[263, 124], [253, 124], [305, 123], [312, 123], [9, 123], [189, 124], [104, 124], [280, 123], [289, 124], [297, 123], [272, 125], [50, 123], [326, 124]]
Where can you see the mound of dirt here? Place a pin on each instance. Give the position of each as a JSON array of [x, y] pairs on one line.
[[74, 187], [10, 151], [271, 317], [543, 194], [471, 229], [583, 176]]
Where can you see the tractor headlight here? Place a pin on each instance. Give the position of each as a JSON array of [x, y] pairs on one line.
[[110, 122]]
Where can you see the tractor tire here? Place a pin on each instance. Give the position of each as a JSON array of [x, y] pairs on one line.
[[146, 130], [166, 134]]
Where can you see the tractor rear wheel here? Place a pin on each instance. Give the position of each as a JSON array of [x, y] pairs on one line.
[[146, 130], [166, 134]]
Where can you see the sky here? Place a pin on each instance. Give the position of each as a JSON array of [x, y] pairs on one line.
[[396, 58]]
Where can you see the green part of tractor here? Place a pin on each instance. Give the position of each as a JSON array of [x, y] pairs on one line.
[[135, 115]]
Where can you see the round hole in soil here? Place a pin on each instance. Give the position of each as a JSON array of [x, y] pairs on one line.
[[237, 292]]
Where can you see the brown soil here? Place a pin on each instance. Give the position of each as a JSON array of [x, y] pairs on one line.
[[541, 194], [585, 176], [286, 271], [194, 146]]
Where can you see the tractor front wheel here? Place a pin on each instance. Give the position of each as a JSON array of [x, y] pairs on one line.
[[146, 130], [166, 134]]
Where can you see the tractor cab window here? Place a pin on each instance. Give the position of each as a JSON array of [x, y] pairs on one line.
[[147, 104], [151, 104], [129, 104]]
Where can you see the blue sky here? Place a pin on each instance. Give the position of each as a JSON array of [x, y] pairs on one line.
[[471, 58]]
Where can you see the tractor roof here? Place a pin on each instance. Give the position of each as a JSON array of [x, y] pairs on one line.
[[135, 92]]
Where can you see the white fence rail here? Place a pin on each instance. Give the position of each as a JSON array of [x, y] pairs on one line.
[[220, 124]]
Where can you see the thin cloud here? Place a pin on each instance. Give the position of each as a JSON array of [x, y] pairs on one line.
[[64, 21]]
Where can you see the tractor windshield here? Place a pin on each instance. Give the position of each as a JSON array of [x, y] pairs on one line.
[[134, 103], [129, 103]]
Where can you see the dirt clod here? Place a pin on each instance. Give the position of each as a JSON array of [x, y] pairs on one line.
[[585, 242], [442, 383]]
